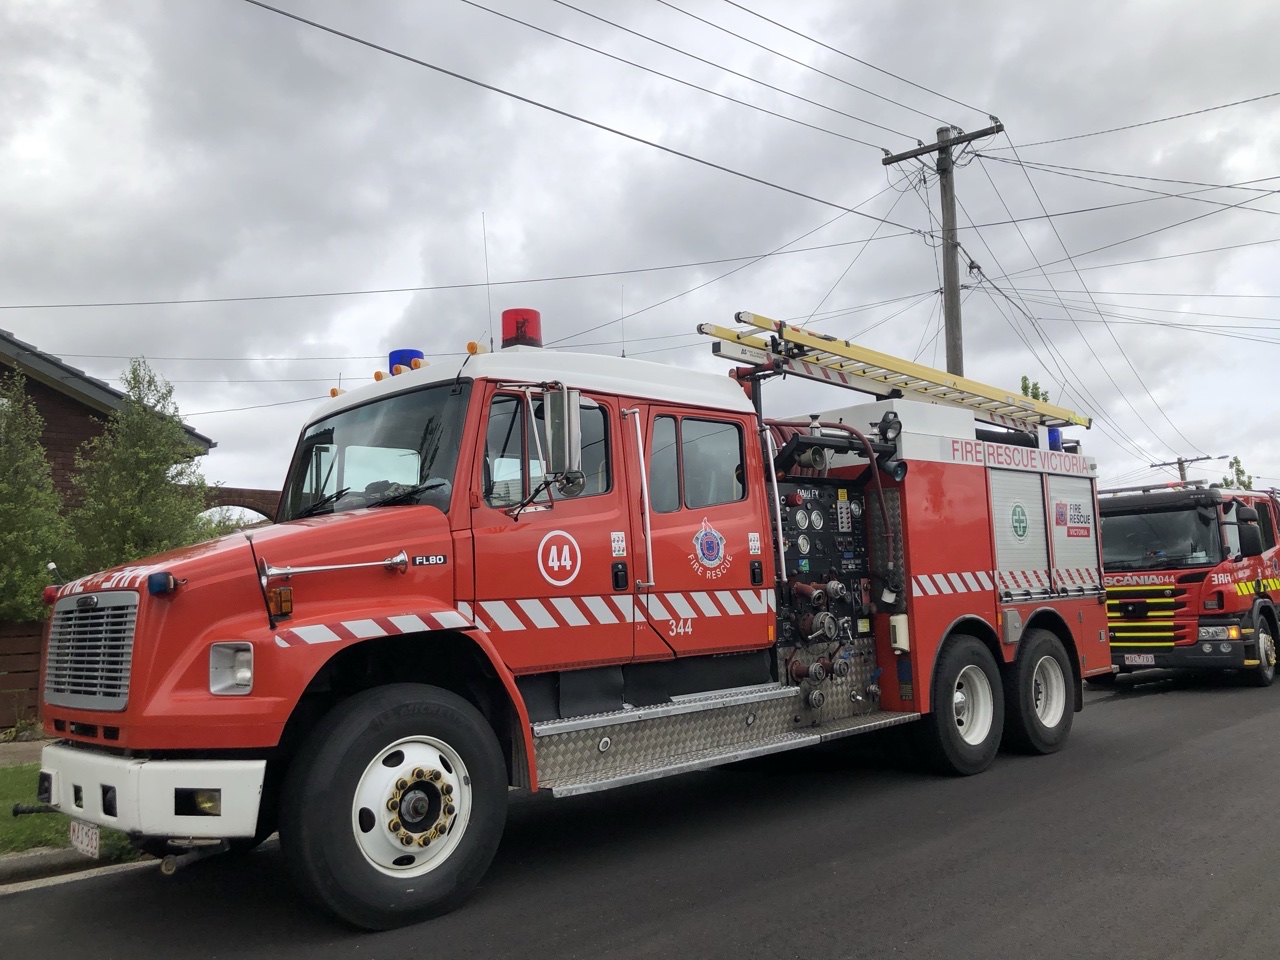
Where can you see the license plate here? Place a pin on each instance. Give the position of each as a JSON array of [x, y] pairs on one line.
[[84, 837], [1139, 659]]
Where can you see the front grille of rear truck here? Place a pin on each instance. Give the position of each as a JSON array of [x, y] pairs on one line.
[[91, 650]]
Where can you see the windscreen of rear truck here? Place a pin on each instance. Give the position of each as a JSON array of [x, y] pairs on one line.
[[1160, 540], [395, 450]]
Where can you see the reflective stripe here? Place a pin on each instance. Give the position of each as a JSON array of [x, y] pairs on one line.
[[571, 614]]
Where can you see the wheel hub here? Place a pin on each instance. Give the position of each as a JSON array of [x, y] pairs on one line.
[[411, 806], [961, 705]]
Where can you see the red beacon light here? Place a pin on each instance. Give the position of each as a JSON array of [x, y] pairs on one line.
[[521, 327]]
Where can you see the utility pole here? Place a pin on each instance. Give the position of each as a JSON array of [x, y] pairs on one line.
[[949, 137], [1181, 464]]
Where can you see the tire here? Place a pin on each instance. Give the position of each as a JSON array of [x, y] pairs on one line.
[[1039, 691], [962, 734], [393, 808], [1264, 674]]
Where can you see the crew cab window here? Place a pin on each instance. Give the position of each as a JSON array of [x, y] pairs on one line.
[[1267, 523], [513, 468], [701, 458]]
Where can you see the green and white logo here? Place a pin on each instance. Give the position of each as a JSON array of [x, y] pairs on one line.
[[1019, 521]]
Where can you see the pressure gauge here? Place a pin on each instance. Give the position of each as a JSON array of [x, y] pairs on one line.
[[817, 519], [802, 519], [802, 543], [855, 507]]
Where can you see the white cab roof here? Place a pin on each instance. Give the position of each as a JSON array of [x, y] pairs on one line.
[[601, 374]]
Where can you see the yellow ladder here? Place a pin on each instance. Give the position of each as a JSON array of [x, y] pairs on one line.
[[817, 356]]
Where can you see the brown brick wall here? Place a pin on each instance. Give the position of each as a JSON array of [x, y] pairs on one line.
[[67, 424]]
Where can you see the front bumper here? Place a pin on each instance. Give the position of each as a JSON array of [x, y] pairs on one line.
[[147, 794], [1240, 654]]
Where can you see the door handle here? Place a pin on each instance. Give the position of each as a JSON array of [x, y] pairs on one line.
[[620, 579]]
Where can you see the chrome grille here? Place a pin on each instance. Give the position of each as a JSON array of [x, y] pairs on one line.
[[91, 650]]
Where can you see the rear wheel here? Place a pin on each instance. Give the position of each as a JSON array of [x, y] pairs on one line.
[[1040, 694], [962, 734], [1264, 674], [394, 807]]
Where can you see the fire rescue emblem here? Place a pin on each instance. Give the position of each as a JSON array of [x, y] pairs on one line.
[[708, 551]]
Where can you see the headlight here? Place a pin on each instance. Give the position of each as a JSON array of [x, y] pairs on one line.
[[1231, 632], [231, 668]]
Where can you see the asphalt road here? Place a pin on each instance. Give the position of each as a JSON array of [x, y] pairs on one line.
[[1152, 835]]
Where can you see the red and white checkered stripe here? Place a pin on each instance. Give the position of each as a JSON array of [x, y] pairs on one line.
[[557, 613], [365, 629], [1077, 576], [553, 613], [1023, 579], [941, 584]]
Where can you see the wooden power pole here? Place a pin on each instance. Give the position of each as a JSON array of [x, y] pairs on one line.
[[949, 137]]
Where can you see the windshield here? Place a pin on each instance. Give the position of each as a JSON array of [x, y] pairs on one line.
[[1160, 540], [402, 449]]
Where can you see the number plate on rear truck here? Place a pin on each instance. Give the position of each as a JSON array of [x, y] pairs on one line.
[[1139, 659], [84, 837]]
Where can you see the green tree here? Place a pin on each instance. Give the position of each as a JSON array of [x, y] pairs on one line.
[[1031, 388], [138, 488], [32, 530], [1237, 478]]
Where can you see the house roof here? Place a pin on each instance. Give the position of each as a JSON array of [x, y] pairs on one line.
[[66, 379]]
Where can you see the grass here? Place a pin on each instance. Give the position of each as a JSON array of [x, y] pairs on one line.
[[18, 785]]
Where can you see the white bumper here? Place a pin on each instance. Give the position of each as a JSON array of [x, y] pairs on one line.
[[145, 792]]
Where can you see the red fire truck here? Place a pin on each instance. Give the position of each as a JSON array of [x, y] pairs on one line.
[[1192, 575], [562, 573]]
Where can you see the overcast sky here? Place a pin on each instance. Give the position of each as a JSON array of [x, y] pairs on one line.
[[213, 149]]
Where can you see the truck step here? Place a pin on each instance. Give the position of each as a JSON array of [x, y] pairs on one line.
[[586, 754]]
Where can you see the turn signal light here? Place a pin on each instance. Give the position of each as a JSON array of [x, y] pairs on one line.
[[280, 601]]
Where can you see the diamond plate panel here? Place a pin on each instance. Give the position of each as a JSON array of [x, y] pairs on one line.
[[845, 696], [879, 560], [577, 755]]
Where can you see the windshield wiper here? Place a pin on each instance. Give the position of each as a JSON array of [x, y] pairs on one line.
[[312, 509], [404, 493]]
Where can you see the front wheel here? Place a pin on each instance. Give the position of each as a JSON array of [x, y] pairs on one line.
[[1264, 674], [1041, 695], [962, 734], [393, 809]]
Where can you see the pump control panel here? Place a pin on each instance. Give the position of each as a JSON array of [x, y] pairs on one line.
[[824, 541]]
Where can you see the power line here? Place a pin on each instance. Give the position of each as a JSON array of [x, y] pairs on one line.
[[565, 113], [666, 76], [1146, 123], [1084, 286], [256, 406], [1120, 392], [1158, 194], [849, 56], [706, 283], [445, 286], [729, 70], [1169, 256], [1051, 167], [801, 63], [856, 256]]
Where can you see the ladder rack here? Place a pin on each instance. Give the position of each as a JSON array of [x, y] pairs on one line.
[[794, 350]]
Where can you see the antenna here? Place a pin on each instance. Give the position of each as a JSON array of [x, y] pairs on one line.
[[622, 317], [484, 232]]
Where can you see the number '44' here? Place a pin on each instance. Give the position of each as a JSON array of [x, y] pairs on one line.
[[560, 560], [678, 628]]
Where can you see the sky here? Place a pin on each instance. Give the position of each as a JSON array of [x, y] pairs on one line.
[[216, 151]]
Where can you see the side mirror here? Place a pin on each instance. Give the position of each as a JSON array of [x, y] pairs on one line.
[[563, 412], [1246, 514], [1250, 540]]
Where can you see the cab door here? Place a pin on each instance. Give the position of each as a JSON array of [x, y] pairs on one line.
[[552, 579], [707, 534]]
